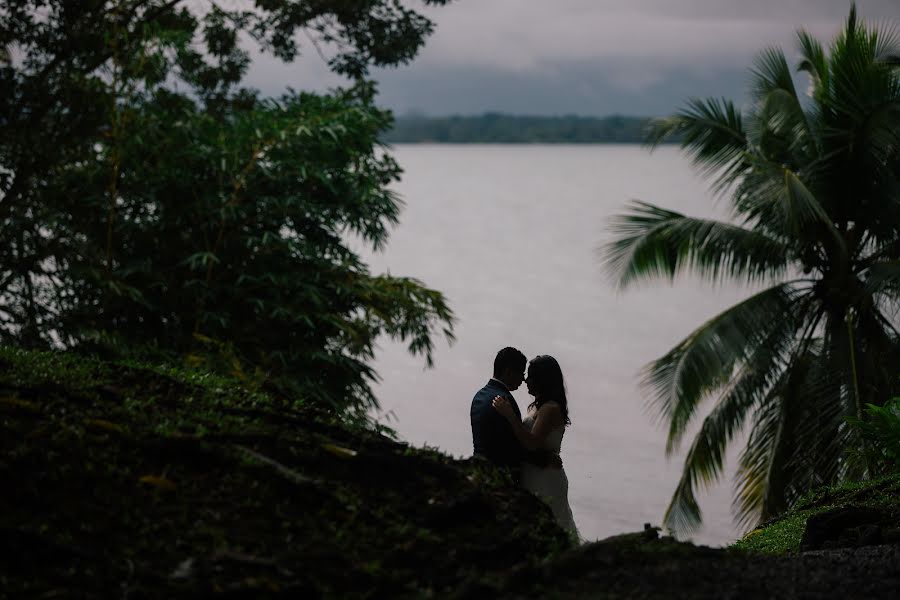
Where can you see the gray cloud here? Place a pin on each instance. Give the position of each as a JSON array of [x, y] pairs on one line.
[[586, 56], [575, 88]]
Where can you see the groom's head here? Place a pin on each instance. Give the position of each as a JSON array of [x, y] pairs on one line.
[[509, 367]]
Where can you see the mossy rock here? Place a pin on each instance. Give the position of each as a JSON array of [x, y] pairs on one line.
[[785, 533]]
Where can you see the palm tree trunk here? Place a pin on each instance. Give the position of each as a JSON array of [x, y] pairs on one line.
[[854, 375]]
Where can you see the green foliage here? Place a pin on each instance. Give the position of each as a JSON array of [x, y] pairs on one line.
[[153, 207], [814, 188], [86, 377], [494, 128], [880, 430]]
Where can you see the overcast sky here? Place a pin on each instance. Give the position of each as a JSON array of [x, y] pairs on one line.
[[587, 57]]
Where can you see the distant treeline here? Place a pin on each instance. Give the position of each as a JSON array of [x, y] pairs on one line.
[[495, 128]]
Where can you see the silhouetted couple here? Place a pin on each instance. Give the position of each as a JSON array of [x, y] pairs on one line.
[[528, 448]]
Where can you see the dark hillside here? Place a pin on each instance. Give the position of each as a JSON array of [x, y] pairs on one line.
[[133, 481]]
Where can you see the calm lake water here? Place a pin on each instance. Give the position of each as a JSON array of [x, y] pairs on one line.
[[509, 234]]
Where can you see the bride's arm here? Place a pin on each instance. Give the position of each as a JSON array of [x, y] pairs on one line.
[[548, 417]]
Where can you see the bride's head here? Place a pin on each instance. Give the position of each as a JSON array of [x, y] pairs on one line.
[[545, 383]]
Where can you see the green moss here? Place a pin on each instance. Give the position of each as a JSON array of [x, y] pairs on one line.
[[30, 369], [777, 538], [784, 534], [881, 492], [80, 374]]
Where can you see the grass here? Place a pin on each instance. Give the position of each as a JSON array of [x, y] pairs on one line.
[[784, 534]]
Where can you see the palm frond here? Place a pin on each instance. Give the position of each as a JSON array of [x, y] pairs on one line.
[[771, 73], [704, 461], [778, 201], [838, 352], [779, 127], [831, 448], [882, 131], [883, 277], [655, 242], [755, 487], [703, 464], [706, 360], [866, 98], [712, 133], [862, 77], [887, 44], [800, 206], [794, 435], [815, 63]]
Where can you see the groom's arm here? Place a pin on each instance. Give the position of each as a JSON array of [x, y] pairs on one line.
[[539, 457]]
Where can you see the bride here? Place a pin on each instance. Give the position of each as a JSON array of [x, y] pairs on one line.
[[542, 429]]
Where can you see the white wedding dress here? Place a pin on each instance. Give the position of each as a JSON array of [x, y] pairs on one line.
[[550, 484]]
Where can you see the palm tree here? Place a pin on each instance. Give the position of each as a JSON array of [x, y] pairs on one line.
[[814, 187]]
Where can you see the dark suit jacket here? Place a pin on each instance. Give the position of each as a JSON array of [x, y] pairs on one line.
[[492, 435]]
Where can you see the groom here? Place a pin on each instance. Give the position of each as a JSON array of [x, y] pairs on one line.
[[492, 435]]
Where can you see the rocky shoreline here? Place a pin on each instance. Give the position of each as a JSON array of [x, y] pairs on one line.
[[622, 568]]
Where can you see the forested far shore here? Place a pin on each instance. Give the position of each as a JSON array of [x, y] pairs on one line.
[[496, 128]]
